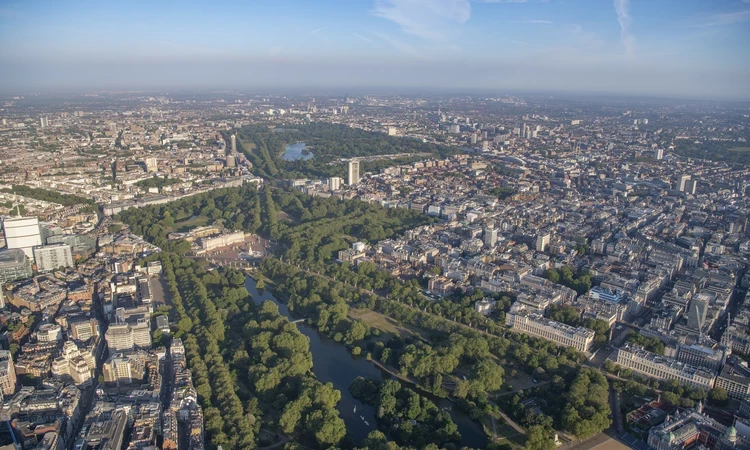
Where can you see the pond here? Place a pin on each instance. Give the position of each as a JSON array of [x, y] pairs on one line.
[[333, 363], [293, 152]]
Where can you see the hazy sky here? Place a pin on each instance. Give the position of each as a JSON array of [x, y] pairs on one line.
[[687, 48]]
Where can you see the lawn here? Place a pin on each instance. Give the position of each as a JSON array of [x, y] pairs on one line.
[[189, 224], [505, 434], [386, 324]]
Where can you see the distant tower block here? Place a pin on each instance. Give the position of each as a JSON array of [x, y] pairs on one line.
[[234, 143], [353, 177], [151, 164]]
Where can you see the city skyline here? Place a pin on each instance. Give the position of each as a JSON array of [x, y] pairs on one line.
[[683, 49]]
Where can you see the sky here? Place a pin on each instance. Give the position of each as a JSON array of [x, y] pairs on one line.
[[669, 48]]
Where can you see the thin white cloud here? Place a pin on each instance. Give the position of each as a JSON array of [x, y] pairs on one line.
[[426, 19], [583, 37], [368, 40], [622, 8], [399, 45], [531, 21], [727, 18], [318, 30]]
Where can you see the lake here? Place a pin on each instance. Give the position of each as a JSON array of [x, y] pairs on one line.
[[293, 152], [333, 363]]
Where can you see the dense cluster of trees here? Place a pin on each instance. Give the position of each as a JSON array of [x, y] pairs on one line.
[[652, 344], [312, 229], [329, 142], [571, 316], [721, 151], [409, 417], [503, 192], [259, 362], [580, 283], [49, 196], [638, 388], [157, 182], [269, 361], [577, 403]]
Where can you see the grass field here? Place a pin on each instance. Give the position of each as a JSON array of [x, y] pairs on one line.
[[189, 224], [249, 146], [740, 149], [505, 433], [385, 324]]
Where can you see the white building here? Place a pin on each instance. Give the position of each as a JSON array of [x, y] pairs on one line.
[[542, 241], [334, 183], [74, 365], [490, 237], [151, 164], [127, 336], [7, 373], [353, 175], [485, 306], [636, 358], [51, 257], [537, 325], [23, 233], [49, 332]]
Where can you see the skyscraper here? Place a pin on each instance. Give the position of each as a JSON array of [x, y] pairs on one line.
[[234, 143], [490, 237], [7, 374], [697, 313], [43, 122], [542, 241], [353, 172], [683, 183], [23, 233]]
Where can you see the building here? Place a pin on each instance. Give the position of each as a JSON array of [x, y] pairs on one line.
[[353, 174], [7, 373], [696, 316], [484, 306], [151, 164], [44, 122], [334, 183], [83, 329], [127, 336], [701, 356], [14, 265], [692, 429], [691, 186], [222, 240], [735, 379], [51, 257], [490, 237], [233, 140], [537, 325], [454, 128], [682, 183], [104, 428], [123, 368], [49, 332], [636, 358], [23, 233], [542, 241], [74, 365]]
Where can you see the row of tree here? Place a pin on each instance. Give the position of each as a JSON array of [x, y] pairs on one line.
[[259, 362]]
